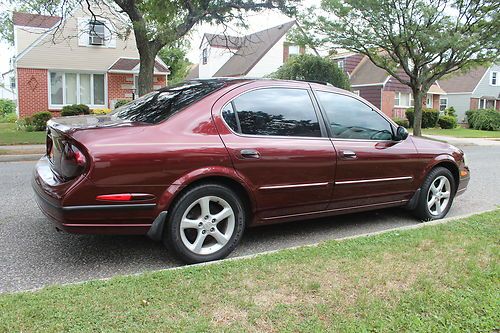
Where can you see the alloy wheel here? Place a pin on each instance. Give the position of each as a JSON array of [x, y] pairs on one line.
[[438, 196], [207, 225]]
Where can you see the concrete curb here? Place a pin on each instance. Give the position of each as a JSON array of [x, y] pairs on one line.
[[249, 256], [20, 158]]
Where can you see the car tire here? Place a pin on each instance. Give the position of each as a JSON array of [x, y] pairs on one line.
[[436, 195], [208, 214]]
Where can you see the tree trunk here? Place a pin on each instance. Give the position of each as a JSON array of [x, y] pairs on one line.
[[147, 63], [417, 120]]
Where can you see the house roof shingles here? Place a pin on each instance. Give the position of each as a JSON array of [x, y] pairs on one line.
[[34, 20], [463, 82], [128, 65], [367, 73], [253, 48]]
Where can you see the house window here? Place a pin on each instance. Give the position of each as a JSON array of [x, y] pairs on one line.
[[443, 104], [494, 79], [340, 64], [486, 103], [403, 99], [76, 88], [96, 33], [293, 50], [13, 83], [428, 101], [204, 55]]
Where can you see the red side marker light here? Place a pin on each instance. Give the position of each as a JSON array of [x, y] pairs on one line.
[[115, 197]]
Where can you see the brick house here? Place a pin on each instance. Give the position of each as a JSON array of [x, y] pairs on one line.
[[252, 55], [381, 89], [75, 60]]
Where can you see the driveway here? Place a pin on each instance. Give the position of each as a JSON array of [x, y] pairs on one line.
[[33, 254]]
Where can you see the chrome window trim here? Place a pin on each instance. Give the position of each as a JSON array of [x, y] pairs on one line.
[[308, 90], [375, 180], [276, 187]]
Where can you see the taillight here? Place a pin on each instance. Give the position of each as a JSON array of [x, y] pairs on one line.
[[73, 161]]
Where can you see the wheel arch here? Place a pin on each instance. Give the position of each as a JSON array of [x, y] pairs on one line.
[[221, 175], [452, 167]]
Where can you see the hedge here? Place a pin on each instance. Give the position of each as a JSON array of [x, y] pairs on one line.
[[484, 119], [429, 117], [75, 110], [447, 122]]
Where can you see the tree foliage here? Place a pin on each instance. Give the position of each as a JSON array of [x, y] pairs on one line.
[[175, 57], [415, 41], [312, 68], [159, 23]]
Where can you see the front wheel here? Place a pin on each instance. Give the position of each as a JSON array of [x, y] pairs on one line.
[[206, 223], [436, 195]]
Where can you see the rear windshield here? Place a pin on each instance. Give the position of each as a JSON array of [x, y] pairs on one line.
[[159, 105]]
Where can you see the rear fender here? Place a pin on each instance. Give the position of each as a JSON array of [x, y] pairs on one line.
[[178, 185]]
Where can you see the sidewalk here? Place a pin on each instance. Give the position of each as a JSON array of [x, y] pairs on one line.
[[465, 141], [16, 153]]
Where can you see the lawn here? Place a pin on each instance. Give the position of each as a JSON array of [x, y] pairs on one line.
[[10, 136], [438, 278], [460, 132]]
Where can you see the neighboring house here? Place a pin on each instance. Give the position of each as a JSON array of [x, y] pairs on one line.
[[253, 55], [6, 93], [8, 86], [478, 88], [381, 89], [76, 60]]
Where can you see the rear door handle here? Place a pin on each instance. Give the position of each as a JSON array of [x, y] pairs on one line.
[[249, 153], [348, 154]]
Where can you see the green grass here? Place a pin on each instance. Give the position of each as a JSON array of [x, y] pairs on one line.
[[10, 136], [460, 132], [442, 278]]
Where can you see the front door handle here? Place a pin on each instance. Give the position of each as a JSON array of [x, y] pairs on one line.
[[348, 154], [249, 153]]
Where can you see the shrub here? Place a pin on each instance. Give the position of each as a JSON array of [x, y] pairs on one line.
[[484, 119], [7, 106], [450, 112], [429, 117], [121, 102], [39, 120], [8, 118], [25, 124], [402, 122], [75, 110], [100, 111], [447, 122]]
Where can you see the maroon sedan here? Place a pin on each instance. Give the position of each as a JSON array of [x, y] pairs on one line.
[[195, 164]]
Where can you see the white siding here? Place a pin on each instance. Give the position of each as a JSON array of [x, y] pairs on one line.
[[216, 57], [66, 54], [484, 88], [461, 103], [270, 62]]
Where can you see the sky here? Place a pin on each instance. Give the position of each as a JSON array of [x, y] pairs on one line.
[[256, 22]]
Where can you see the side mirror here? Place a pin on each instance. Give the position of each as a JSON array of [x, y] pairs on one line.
[[401, 133]]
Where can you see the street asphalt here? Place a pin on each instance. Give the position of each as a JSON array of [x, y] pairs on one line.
[[33, 254]]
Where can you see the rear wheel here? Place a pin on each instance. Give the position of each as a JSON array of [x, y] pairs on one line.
[[436, 195], [206, 223]]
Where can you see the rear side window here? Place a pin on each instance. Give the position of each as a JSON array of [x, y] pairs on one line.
[[273, 111], [159, 105], [350, 118]]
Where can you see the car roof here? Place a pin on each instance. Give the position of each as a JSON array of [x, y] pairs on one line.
[[235, 80]]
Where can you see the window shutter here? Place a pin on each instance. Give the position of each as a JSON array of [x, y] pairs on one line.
[[83, 31]]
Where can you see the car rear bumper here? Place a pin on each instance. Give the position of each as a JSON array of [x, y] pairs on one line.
[[86, 219]]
